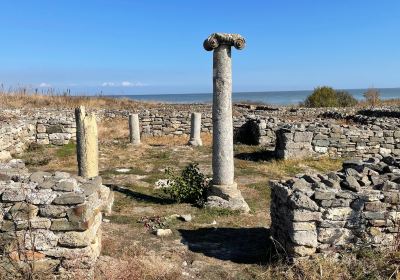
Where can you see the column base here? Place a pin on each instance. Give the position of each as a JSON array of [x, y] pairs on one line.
[[135, 143], [195, 142], [227, 197]]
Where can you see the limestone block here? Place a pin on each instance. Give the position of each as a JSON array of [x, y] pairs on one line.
[[39, 176], [22, 211], [41, 196], [66, 185], [13, 195], [338, 214], [305, 216], [5, 156], [53, 211], [305, 238], [40, 128], [40, 239], [335, 236], [81, 239], [69, 199]]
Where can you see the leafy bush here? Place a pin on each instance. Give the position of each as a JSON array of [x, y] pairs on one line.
[[345, 99], [328, 97], [190, 186]]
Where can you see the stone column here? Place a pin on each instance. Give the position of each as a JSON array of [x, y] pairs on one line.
[[86, 143], [195, 130], [224, 192], [134, 129]]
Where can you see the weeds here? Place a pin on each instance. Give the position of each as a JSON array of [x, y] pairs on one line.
[[66, 150], [190, 186]]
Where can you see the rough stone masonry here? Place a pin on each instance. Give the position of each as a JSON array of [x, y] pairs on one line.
[[358, 206], [49, 223], [224, 192]]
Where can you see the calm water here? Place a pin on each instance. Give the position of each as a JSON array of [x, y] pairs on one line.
[[269, 97]]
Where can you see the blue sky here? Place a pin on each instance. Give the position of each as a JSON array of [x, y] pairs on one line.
[[155, 46]]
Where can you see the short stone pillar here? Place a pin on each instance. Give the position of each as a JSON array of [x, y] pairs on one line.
[[224, 192], [195, 130], [293, 142], [87, 148], [134, 129]]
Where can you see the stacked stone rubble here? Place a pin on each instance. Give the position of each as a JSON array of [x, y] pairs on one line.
[[356, 207], [16, 135], [50, 223], [293, 143], [55, 130], [362, 141]]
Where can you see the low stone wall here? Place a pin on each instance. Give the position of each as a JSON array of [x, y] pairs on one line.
[[50, 223], [16, 135], [176, 123], [356, 207], [335, 132], [360, 141], [55, 130]]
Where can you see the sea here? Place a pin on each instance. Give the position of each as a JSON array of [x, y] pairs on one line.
[[264, 97]]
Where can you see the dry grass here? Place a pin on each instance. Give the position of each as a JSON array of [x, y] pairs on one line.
[[21, 98], [113, 129], [176, 140], [133, 266]]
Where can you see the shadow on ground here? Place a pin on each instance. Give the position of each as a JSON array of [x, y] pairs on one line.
[[239, 245], [265, 155], [140, 196]]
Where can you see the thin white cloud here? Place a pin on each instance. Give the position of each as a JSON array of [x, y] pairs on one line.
[[108, 84], [123, 84], [130, 84], [43, 85]]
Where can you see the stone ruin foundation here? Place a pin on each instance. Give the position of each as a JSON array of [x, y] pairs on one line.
[[50, 223], [358, 206]]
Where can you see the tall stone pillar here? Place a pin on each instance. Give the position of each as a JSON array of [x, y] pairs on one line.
[[224, 192], [86, 143], [134, 129], [195, 130]]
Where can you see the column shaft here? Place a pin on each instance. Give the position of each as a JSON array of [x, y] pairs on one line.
[[134, 129], [86, 143], [195, 130], [222, 162]]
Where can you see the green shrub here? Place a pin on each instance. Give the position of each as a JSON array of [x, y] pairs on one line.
[[190, 186], [322, 97], [345, 99], [328, 97]]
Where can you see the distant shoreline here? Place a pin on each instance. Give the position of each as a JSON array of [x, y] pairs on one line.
[[278, 98]]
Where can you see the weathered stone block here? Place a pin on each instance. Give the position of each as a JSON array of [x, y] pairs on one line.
[[305, 238], [69, 199], [22, 211], [66, 185], [304, 216]]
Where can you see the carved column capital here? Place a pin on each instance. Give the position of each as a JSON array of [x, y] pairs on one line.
[[216, 39]]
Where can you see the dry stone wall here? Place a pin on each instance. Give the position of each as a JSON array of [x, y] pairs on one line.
[[338, 140], [55, 130], [50, 223], [335, 132], [16, 135], [356, 207]]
